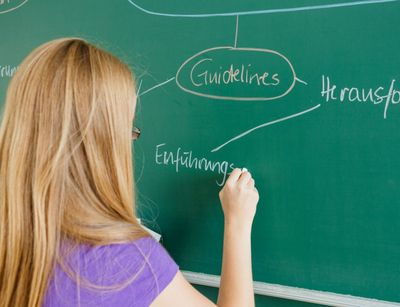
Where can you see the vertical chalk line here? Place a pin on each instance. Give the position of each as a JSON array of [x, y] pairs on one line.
[[236, 32]]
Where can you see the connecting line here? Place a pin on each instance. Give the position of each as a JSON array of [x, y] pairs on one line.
[[140, 86], [155, 86], [236, 32], [264, 125], [301, 81]]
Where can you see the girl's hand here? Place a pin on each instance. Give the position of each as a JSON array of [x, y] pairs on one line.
[[239, 199]]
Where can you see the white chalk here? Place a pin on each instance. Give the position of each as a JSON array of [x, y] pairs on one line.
[[154, 234], [244, 170]]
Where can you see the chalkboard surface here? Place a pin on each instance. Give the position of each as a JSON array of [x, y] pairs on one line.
[[305, 94]]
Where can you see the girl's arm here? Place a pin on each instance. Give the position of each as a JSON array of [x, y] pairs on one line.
[[239, 200]]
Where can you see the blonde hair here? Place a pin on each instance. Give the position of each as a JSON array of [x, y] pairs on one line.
[[65, 162]]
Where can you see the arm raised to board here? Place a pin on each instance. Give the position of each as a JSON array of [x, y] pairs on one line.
[[239, 199]]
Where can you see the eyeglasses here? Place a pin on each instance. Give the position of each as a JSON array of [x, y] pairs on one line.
[[135, 133]]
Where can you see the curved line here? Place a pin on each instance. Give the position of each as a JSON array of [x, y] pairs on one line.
[[14, 8], [230, 48], [269, 11], [264, 125]]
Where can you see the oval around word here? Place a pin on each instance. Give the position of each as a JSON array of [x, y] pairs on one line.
[[10, 5], [229, 73]]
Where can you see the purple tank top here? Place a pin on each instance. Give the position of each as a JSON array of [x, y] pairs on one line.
[[142, 269]]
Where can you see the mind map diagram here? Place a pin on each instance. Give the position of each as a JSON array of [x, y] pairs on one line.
[[195, 75]]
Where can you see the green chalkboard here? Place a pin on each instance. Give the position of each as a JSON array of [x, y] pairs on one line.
[[305, 94]]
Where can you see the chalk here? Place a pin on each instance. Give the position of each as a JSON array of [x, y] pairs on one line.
[[244, 170], [154, 234]]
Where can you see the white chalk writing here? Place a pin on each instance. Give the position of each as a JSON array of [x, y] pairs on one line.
[[179, 158], [388, 95], [232, 74], [7, 71]]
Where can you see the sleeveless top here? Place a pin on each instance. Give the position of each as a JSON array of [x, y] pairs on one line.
[[127, 274]]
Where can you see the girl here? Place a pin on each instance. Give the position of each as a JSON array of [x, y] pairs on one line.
[[68, 230]]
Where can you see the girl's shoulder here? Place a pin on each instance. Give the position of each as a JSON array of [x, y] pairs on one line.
[[115, 274]]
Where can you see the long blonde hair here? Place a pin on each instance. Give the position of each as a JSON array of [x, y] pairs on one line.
[[65, 162]]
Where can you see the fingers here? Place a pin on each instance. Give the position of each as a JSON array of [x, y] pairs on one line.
[[251, 183], [241, 177], [234, 176], [244, 178]]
